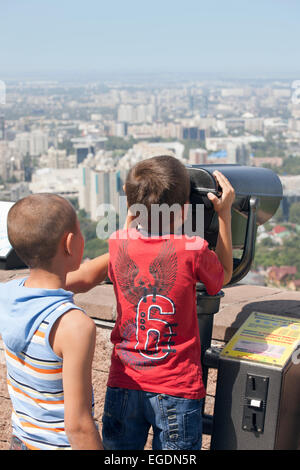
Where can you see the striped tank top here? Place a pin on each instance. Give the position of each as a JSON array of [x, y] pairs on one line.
[[34, 379]]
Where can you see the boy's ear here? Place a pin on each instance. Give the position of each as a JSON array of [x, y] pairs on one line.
[[124, 189], [68, 243]]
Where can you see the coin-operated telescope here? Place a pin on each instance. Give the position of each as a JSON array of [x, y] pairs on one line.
[[258, 192]]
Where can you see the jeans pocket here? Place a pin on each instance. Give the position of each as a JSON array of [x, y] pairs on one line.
[[114, 411], [182, 420], [192, 426]]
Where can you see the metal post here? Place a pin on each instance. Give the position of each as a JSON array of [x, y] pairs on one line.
[[207, 306]]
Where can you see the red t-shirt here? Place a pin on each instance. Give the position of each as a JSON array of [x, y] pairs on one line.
[[156, 336]]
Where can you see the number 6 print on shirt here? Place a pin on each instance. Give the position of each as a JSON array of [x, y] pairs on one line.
[[153, 326], [146, 287]]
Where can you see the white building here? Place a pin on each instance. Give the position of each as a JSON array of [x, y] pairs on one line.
[[125, 113], [98, 188], [254, 125], [138, 114], [219, 143], [38, 143], [10, 161], [33, 143], [22, 143], [58, 159], [58, 181]]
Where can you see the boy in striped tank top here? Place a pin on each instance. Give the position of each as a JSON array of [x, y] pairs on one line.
[[49, 342]]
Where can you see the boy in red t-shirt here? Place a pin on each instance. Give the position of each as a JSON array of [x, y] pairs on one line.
[[155, 376]]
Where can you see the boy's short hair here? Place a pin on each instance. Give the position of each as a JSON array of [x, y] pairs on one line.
[[36, 224], [158, 180]]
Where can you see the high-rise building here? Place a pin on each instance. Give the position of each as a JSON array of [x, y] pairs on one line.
[[190, 133], [22, 143], [238, 153], [2, 127], [198, 156], [202, 135], [38, 143], [194, 133], [140, 113], [120, 129], [242, 155], [84, 189], [98, 187], [125, 113], [84, 146], [57, 158], [34, 143], [4, 154], [254, 125]]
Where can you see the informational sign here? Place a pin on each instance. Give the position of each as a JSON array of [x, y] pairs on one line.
[[266, 338], [5, 246]]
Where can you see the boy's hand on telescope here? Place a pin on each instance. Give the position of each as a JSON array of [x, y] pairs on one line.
[[222, 205]]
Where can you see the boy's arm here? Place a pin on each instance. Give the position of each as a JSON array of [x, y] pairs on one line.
[[73, 338], [224, 246], [90, 274], [222, 206]]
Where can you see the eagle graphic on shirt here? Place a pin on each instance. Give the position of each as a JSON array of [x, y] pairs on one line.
[[147, 289], [160, 279]]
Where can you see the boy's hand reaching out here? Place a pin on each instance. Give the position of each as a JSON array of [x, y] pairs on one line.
[[222, 204], [222, 207]]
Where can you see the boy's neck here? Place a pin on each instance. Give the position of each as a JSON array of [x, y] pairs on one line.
[[42, 279]]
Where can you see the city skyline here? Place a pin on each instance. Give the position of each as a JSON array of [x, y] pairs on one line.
[[216, 39]]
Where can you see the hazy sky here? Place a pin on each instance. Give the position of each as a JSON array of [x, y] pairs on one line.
[[249, 38]]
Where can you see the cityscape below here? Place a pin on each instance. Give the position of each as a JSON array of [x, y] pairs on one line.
[[79, 139]]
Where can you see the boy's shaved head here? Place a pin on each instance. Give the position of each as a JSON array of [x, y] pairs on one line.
[[36, 224]]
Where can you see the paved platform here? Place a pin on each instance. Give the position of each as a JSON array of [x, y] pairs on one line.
[[100, 303]]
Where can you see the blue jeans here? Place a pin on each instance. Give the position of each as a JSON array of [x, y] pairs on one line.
[[129, 414]]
